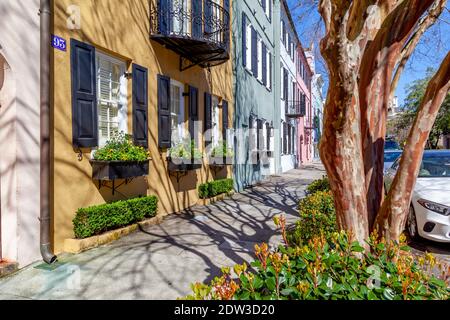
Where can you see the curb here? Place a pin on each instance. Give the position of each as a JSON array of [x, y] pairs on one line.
[[220, 197]]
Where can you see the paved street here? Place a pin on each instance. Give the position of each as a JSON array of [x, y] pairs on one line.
[[161, 261]]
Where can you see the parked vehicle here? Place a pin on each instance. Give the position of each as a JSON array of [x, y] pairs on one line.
[[391, 144], [429, 213], [389, 158]]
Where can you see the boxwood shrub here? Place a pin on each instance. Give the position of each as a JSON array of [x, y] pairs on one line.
[[214, 188], [98, 219]]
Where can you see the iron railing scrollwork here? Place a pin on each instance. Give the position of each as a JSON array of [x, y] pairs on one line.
[[295, 109], [191, 19]]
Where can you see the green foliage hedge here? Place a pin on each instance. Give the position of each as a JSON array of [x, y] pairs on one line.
[[98, 219], [318, 185], [317, 216], [214, 188], [333, 269]]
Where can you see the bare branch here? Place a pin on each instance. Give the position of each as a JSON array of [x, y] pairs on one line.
[[391, 219], [424, 24]]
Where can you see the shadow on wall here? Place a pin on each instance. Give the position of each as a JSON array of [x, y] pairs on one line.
[[246, 173], [159, 60]]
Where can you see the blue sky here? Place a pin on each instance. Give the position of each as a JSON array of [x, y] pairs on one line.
[[433, 47]]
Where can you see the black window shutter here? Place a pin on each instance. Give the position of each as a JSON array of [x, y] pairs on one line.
[[264, 64], [244, 39], [254, 53], [285, 84], [268, 136], [164, 126], [270, 71], [140, 106], [284, 138], [225, 123], [303, 104], [193, 112], [164, 7], [208, 117], [270, 9], [226, 36], [197, 18], [263, 3], [289, 139], [84, 95], [207, 11]]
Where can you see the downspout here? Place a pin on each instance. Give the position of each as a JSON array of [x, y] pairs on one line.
[[45, 222]]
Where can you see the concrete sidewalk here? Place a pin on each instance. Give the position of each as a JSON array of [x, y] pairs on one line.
[[161, 261]]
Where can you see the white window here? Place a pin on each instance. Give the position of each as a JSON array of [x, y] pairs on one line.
[[111, 97], [177, 111], [216, 137], [248, 48]]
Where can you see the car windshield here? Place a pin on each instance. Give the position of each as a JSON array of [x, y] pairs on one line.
[[435, 165], [391, 156], [391, 145]]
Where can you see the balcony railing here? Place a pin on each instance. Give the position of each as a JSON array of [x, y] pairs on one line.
[[294, 109], [197, 30]]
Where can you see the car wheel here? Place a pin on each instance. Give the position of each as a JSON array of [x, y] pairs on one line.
[[411, 224]]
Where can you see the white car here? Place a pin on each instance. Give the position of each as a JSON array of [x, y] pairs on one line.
[[429, 213]]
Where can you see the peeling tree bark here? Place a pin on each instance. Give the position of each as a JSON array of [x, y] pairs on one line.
[[362, 47], [391, 220]]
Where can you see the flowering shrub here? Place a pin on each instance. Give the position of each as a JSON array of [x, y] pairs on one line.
[[328, 269], [318, 185], [317, 216], [121, 148]]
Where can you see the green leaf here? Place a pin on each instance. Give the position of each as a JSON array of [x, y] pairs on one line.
[[271, 283], [356, 247], [257, 283]]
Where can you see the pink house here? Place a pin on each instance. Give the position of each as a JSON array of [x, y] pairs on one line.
[[303, 94]]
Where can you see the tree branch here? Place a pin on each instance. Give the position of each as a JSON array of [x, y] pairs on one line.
[[392, 216], [424, 24]]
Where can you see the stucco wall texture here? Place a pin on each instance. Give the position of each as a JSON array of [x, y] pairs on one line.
[[126, 38], [19, 130]]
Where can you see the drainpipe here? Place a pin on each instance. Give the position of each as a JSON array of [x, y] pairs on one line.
[[45, 223]]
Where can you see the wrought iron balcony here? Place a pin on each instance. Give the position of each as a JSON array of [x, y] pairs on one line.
[[295, 109], [199, 31]]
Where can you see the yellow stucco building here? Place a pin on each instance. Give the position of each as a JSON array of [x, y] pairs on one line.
[[121, 69]]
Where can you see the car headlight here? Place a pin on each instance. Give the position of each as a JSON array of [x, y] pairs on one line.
[[436, 207]]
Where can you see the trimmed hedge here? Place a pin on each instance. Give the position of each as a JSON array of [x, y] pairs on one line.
[[214, 188], [99, 219]]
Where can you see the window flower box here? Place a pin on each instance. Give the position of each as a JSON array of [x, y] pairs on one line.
[[113, 170], [181, 164], [220, 161]]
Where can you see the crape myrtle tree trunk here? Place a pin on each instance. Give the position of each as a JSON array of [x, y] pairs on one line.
[[363, 45]]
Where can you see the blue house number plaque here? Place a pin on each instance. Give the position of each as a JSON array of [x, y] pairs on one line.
[[59, 43]]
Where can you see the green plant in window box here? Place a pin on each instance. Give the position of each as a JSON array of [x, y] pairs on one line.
[[184, 156], [121, 148], [221, 154], [120, 159]]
